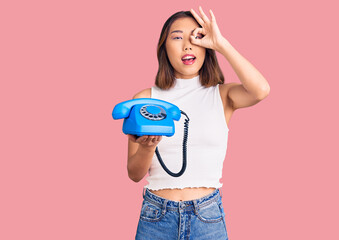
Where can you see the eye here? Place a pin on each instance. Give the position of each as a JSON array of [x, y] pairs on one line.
[[176, 37]]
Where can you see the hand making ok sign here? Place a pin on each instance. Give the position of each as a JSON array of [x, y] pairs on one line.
[[212, 37]]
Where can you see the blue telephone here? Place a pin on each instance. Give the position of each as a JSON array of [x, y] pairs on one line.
[[150, 116]]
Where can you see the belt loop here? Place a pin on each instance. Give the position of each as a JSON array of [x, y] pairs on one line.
[[220, 190], [164, 207], [196, 207]]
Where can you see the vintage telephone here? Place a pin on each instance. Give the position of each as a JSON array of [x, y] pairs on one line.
[[150, 116]]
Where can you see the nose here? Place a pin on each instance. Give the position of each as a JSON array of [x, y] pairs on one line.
[[187, 45]]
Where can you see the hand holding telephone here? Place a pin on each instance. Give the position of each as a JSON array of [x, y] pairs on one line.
[[150, 116], [147, 116]]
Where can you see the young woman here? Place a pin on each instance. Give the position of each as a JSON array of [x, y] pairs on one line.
[[190, 206]]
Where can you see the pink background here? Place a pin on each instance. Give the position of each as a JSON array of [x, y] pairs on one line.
[[65, 64]]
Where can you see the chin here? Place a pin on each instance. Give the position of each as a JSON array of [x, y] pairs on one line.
[[195, 71]]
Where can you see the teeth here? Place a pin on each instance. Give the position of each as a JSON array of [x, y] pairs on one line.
[[187, 58]]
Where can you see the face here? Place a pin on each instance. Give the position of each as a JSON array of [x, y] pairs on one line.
[[178, 44]]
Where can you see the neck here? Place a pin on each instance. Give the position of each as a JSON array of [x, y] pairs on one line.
[[188, 82], [186, 76]]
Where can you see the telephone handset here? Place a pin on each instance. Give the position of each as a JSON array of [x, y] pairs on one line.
[[150, 116]]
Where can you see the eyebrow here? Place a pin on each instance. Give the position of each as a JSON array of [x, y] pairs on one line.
[[180, 31]]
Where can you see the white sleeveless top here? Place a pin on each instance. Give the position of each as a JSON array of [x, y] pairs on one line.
[[206, 142]]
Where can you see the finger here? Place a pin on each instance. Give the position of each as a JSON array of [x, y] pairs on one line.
[[131, 137], [212, 16], [150, 140], [153, 140], [204, 17], [142, 139], [159, 139], [198, 30], [147, 139], [197, 17], [195, 40]]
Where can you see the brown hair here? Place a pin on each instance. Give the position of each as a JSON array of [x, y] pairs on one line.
[[210, 72]]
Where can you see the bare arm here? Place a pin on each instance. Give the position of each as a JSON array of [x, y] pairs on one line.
[[253, 87], [141, 150], [139, 163]]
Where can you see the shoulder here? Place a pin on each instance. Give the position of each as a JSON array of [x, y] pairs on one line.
[[146, 93]]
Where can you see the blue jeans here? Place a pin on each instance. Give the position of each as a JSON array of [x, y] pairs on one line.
[[198, 219]]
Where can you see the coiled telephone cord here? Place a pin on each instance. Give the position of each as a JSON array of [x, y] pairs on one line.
[[184, 151]]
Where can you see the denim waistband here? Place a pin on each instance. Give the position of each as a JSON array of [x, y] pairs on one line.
[[175, 205]]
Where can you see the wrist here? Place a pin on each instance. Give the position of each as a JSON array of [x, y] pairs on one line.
[[222, 45]]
